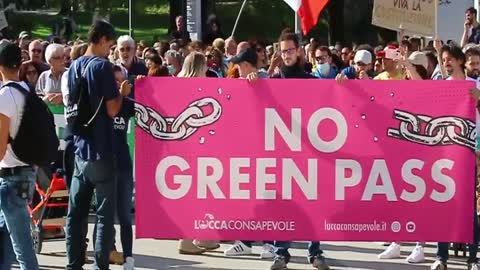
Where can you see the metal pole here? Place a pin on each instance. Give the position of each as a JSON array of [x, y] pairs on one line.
[[436, 20], [238, 17], [130, 17], [298, 27]]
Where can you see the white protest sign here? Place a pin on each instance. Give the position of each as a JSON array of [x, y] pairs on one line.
[[414, 16]]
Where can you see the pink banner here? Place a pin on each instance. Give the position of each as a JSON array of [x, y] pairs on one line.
[[305, 160]]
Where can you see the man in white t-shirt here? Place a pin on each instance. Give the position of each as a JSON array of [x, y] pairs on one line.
[[17, 179]]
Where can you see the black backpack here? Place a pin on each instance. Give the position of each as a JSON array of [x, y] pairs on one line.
[[78, 111], [36, 142]]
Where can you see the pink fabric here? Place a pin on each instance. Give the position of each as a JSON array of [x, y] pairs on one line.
[[331, 205]]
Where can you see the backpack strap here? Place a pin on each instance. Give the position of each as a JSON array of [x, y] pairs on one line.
[[22, 90], [84, 72]]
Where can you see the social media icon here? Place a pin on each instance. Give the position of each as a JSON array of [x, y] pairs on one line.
[[411, 227], [396, 227]]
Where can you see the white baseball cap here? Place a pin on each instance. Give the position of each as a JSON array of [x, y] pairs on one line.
[[363, 56], [419, 58]]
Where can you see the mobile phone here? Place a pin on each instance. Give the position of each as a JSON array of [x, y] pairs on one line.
[[276, 47], [393, 54]]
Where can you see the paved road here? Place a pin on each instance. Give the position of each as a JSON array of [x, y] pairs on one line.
[[156, 254]]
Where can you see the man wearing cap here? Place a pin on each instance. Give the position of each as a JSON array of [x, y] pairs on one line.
[[13, 207], [390, 56], [246, 62], [23, 40], [363, 64]]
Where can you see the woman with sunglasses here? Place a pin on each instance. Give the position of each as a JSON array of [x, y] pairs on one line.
[[29, 74]]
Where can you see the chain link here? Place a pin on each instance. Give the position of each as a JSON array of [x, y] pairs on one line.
[[181, 127], [447, 130]]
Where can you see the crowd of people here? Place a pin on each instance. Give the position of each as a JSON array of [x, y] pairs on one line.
[[101, 161]]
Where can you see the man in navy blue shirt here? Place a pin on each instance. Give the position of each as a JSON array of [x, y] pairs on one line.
[[94, 160]]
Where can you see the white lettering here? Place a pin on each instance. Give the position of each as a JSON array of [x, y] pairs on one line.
[[237, 178], [342, 130], [273, 122], [341, 181], [379, 170], [290, 171], [263, 178], [414, 180], [443, 180], [185, 181], [209, 182]]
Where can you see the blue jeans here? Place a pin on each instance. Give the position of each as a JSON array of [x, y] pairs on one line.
[[90, 176], [124, 207], [15, 193], [442, 249], [124, 182], [281, 248], [6, 250]]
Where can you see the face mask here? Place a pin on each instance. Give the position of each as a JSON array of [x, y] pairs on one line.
[[323, 69], [171, 70]]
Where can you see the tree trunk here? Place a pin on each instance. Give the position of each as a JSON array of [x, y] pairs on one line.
[[335, 21]]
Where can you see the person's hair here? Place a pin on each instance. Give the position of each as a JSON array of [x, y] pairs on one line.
[[179, 16], [126, 39], [148, 51], [198, 45], [422, 71], [324, 49], [218, 55], [117, 68], [455, 52], [432, 57], [471, 10], [101, 29], [160, 71], [24, 69], [290, 37], [472, 52], [175, 55], [337, 61], [194, 65], [155, 58], [78, 51], [51, 50], [407, 44], [219, 43]]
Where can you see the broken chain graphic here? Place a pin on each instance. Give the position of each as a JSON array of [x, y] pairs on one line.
[[180, 127], [447, 130]]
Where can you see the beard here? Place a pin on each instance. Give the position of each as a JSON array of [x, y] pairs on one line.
[[474, 74]]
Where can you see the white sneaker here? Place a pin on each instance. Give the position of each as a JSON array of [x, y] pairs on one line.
[[129, 264], [392, 252], [417, 255], [268, 252], [238, 249]]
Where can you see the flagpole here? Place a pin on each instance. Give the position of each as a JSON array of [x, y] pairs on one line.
[[238, 17], [130, 17], [436, 20], [298, 27]]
